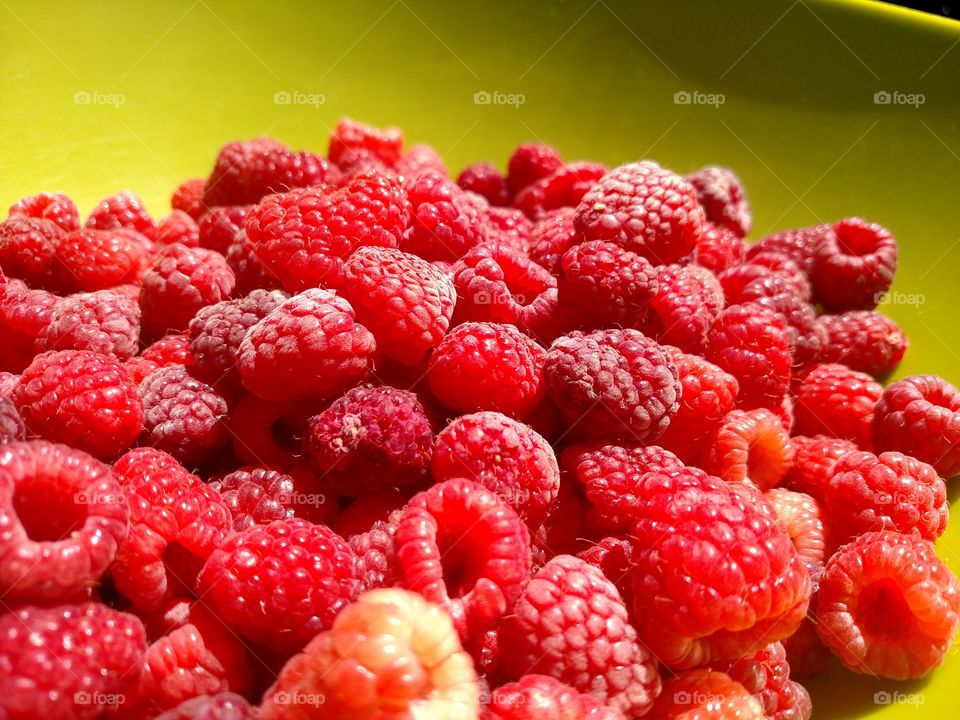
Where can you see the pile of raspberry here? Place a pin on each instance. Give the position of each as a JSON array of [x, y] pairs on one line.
[[346, 437]]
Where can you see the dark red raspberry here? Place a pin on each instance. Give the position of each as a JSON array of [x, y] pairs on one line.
[[854, 265], [564, 188], [304, 236], [180, 281], [614, 557], [813, 462], [485, 366], [570, 623], [268, 433], [832, 399], [28, 250], [168, 350], [678, 545], [705, 694], [720, 192], [279, 584], [354, 142], [799, 245], [362, 513], [751, 343], [531, 162], [801, 516], [505, 456], [446, 221], [645, 208], [123, 210], [24, 316], [687, 301], [405, 302], [376, 556], [552, 237], [219, 226], [222, 706], [11, 424], [187, 197], [62, 516], [417, 160], [752, 445], [766, 675], [920, 416], [70, 662], [178, 227], [718, 248], [55, 207], [251, 273], [485, 179], [613, 383], [370, 439], [863, 340], [309, 347], [91, 260], [82, 399], [509, 226], [104, 322], [176, 521], [256, 496], [888, 606], [537, 697]]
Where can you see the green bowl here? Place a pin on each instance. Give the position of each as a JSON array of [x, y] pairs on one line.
[[825, 109]]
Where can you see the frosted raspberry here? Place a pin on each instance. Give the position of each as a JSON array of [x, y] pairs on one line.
[[566, 187], [256, 496], [405, 302], [799, 245], [28, 250], [552, 237], [219, 226], [813, 463], [55, 207], [389, 650], [705, 694], [101, 259], [485, 179], [854, 265], [685, 306], [537, 697], [863, 340], [752, 445], [720, 192], [801, 515], [531, 162], [123, 210], [11, 425], [766, 675], [888, 606], [376, 555], [251, 273], [613, 383], [354, 142], [222, 706], [835, 400], [24, 316], [178, 227], [268, 433], [417, 160], [82, 399], [446, 221], [187, 197], [718, 248], [104, 322], [168, 350]]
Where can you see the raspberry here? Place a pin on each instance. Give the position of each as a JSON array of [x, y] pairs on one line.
[[687, 301], [758, 594], [405, 302], [863, 340], [187, 197], [485, 180], [82, 399], [766, 675], [256, 496], [611, 474], [178, 227], [62, 516], [101, 259], [752, 445], [737, 279], [813, 463], [799, 245], [720, 193], [750, 342], [705, 694], [168, 350], [103, 322], [370, 439], [834, 400], [267, 433], [806, 654], [891, 491], [531, 162], [446, 221], [55, 207], [571, 624], [219, 226], [485, 366], [251, 273], [464, 548], [419, 159], [123, 210], [918, 415], [508, 226], [801, 515], [388, 653], [888, 606], [28, 249], [645, 208], [614, 557], [376, 556], [24, 316], [222, 706], [570, 527], [304, 236], [718, 248], [566, 187], [503, 455], [354, 142], [180, 281], [67, 662], [11, 425], [854, 265], [176, 521], [537, 697], [182, 414], [308, 347], [613, 383], [279, 584], [552, 237]]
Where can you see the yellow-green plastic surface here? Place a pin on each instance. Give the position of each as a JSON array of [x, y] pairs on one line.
[[825, 109]]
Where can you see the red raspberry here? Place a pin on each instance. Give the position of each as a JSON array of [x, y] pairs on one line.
[[62, 516], [8, 381], [28, 250], [405, 302], [614, 557], [737, 280], [101, 259], [485, 366], [219, 226], [813, 462], [766, 675], [720, 192], [304, 236], [279, 584], [446, 221], [888, 606], [485, 179], [799, 245], [686, 304], [168, 350], [918, 415], [571, 624], [613, 383], [508, 226], [539, 697], [256, 496], [11, 425], [566, 187], [505, 456], [886, 492], [645, 208], [552, 237], [67, 662], [462, 547], [718, 248], [222, 706], [55, 207], [180, 281], [369, 439], [751, 343], [832, 399], [309, 347], [362, 513], [611, 474], [389, 652], [863, 340], [531, 162], [806, 654], [705, 694], [417, 160], [82, 399], [104, 322], [752, 445], [187, 197], [376, 556], [759, 593], [354, 142], [178, 227], [854, 265], [24, 316], [123, 210], [251, 273], [268, 433], [176, 521], [801, 515], [569, 529]]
